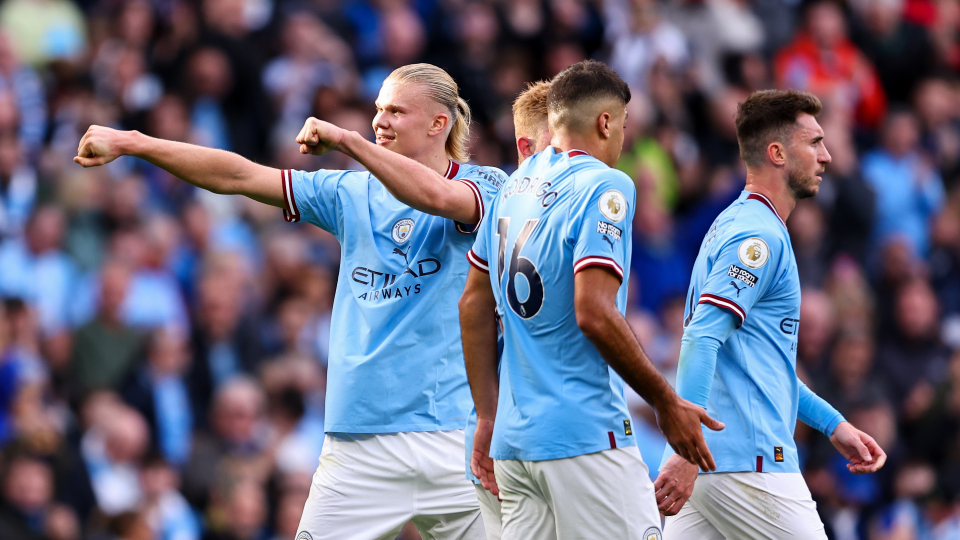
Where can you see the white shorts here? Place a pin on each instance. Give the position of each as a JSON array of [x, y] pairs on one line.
[[490, 510], [602, 495], [747, 506], [368, 486]]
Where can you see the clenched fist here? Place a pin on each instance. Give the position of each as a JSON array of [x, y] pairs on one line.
[[100, 145], [318, 137]]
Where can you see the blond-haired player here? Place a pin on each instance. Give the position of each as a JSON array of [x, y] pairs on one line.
[[397, 394]]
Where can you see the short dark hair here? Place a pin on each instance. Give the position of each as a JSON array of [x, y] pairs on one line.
[[767, 116], [584, 81]]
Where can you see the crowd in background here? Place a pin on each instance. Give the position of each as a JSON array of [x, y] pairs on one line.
[[163, 350]]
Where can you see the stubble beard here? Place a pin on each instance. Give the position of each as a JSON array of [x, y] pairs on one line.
[[802, 185]]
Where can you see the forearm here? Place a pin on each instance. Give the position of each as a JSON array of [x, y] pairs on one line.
[[214, 170], [699, 347], [617, 344], [478, 331], [815, 412], [411, 182]]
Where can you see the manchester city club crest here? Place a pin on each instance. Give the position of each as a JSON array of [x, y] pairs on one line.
[[613, 205], [402, 230], [652, 533], [304, 535], [753, 252]]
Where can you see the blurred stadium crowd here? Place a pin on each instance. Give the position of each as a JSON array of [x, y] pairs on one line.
[[163, 350]]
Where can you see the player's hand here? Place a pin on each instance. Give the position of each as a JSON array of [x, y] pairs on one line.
[[863, 453], [99, 146], [318, 137], [674, 484], [680, 424], [481, 464]]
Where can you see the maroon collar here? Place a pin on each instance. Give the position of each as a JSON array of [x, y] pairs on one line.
[[452, 169], [575, 153], [758, 197]]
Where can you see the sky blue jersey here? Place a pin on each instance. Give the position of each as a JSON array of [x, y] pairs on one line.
[[739, 352], [396, 361], [559, 213]]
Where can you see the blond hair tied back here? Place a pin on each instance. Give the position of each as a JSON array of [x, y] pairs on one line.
[[439, 86]]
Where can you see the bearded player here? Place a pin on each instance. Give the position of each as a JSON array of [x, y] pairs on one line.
[[397, 394], [738, 354]]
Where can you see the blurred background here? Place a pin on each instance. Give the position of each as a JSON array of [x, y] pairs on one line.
[[163, 350]]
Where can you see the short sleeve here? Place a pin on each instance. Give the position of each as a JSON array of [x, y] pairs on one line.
[[602, 221], [485, 182], [744, 269], [478, 255], [312, 197]]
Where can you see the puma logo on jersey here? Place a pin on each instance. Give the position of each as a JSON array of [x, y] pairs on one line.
[[734, 283], [608, 240], [396, 251]]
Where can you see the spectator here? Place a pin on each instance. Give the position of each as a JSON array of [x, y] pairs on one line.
[[36, 270], [164, 509], [822, 59], [901, 51], [237, 440], [909, 191], [158, 390], [111, 450], [639, 38], [913, 356], [27, 510], [106, 349]]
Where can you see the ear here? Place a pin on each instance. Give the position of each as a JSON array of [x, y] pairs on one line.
[[439, 123], [603, 125], [777, 153], [525, 146]]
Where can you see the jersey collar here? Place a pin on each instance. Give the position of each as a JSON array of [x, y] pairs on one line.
[[575, 153], [452, 169], [758, 197]]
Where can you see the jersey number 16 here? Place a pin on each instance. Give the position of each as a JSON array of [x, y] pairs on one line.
[[519, 265]]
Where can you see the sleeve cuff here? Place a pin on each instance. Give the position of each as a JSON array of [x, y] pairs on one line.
[[832, 425], [468, 229], [598, 261], [477, 262], [726, 304], [291, 214]]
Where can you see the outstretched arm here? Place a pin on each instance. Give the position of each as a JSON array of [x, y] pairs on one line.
[[213, 170], [411, 182], [595, 302], [478, 330]]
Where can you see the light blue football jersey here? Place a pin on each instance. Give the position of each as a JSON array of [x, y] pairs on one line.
[[746, 266], [396, 361], [558, 214]]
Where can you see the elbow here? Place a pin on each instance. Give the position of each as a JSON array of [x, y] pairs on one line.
[[591, 322]]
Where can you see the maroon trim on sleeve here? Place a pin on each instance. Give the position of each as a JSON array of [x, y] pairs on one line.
[[468, 229], [290, 212], [726, 304], [477, 262], [598, 261]]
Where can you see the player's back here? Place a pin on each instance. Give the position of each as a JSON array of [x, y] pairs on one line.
[[746, 266], [559, 213]]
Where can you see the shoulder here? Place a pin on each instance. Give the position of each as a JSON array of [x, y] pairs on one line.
[[325, 179], [490, 175], [597, 178]]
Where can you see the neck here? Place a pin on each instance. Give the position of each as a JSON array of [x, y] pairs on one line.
[[773, 188], [574, 141], [434, 158]]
